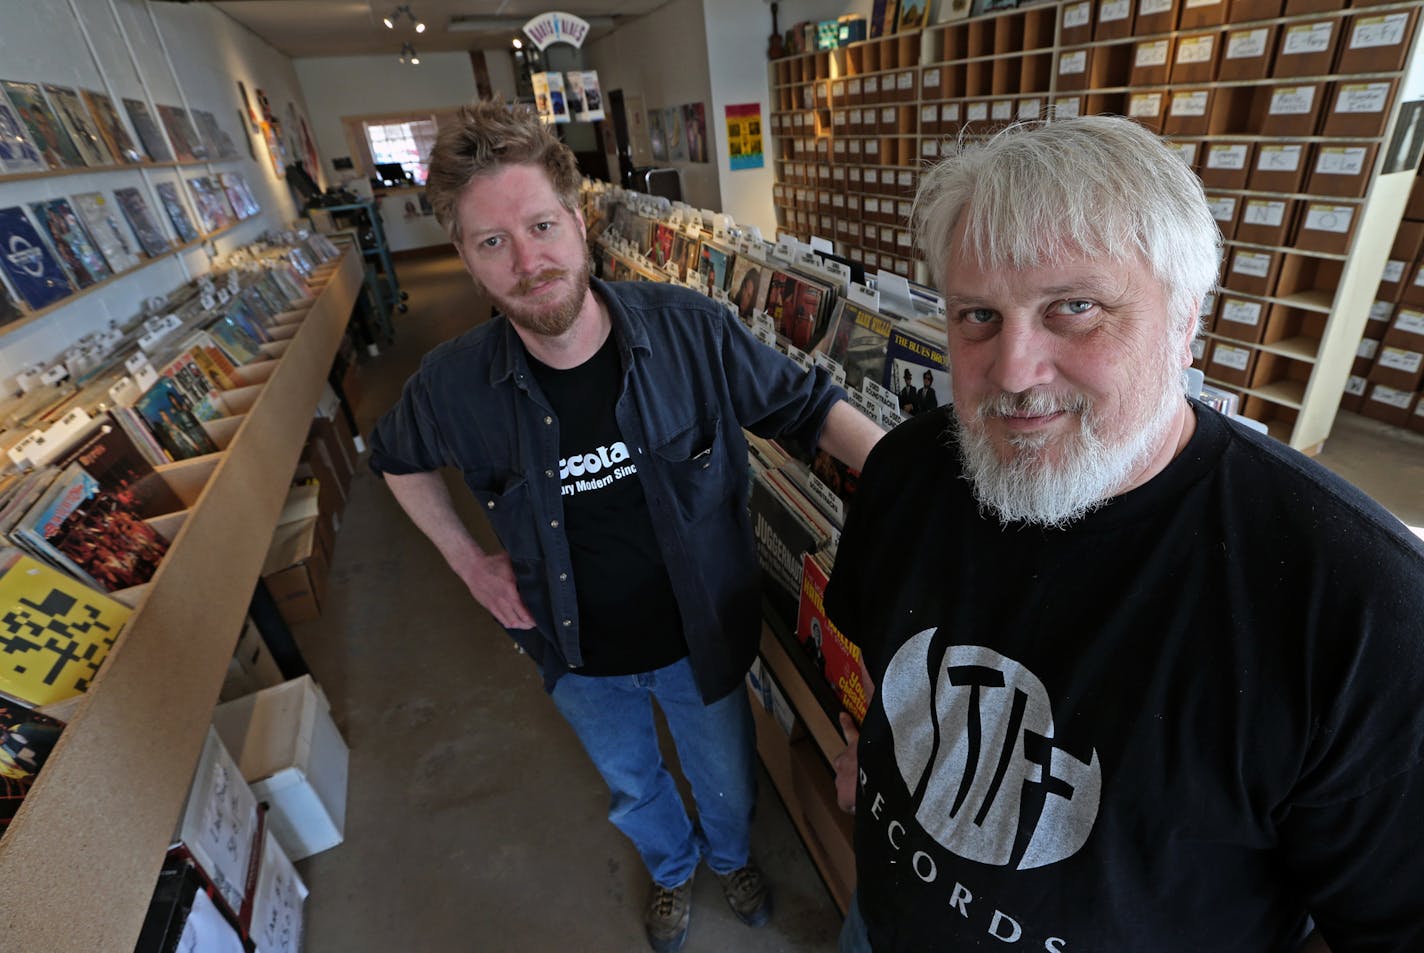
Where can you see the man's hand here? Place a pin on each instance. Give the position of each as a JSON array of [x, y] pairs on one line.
[[490, 579], [847, 765]]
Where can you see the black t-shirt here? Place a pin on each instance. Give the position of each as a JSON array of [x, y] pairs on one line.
[[628, 616], [1183, 724]]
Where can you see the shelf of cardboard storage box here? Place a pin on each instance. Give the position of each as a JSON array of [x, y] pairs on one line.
[[108, 798]]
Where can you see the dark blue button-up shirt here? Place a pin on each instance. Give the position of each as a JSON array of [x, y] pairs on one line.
[[693, 377]]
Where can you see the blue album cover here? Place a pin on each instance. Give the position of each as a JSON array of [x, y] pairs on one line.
[[33, 270]]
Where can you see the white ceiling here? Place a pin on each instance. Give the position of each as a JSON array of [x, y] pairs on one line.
[[354, 27]]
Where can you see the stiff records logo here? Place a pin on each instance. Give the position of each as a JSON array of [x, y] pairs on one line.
[[26, 257], [974, 742]]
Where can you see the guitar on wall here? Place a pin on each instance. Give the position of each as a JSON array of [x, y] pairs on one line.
[[774, 47]]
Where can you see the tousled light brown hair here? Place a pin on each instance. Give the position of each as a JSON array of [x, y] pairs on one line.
[[484, 137]]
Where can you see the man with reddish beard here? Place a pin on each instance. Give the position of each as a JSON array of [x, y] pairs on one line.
[[1147, 681], [600, 425]]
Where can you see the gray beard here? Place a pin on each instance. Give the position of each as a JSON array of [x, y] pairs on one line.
[[1031, 489]]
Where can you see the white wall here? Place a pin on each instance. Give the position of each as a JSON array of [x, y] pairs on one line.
[[210, 52], [664, 57], [337, 86], [738, 32]]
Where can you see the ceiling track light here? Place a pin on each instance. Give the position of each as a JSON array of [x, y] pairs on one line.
[[403, 11], [408, 55]]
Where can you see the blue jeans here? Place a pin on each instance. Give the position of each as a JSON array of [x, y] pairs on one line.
[[854, 939], [716, 746]]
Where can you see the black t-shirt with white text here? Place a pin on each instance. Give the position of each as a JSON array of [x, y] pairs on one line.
[[628, 615], [1185, 723]]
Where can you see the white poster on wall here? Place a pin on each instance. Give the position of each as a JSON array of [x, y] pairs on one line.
[[585, 98]]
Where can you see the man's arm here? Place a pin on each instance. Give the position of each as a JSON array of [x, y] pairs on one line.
[[848, 435], [489, 576]]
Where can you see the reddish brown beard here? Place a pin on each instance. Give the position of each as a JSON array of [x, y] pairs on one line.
[[551, 320]]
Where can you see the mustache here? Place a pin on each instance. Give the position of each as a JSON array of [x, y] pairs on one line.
[[1031, 403], [527, 285]]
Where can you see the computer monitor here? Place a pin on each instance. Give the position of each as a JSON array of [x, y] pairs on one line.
[[390, 173]]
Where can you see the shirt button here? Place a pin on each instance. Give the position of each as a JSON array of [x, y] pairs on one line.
[[563, 576], [548, 473], [568, 622], [554, 523], [490, 504], [548, 420]]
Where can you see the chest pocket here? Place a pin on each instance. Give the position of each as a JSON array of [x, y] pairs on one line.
[[508, 502], [695, 461]]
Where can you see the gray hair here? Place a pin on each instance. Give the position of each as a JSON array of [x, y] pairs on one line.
[[1095, 185]]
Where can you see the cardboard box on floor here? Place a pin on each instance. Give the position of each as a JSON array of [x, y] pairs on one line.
[[297, 560], [289, 750], [252, 667]]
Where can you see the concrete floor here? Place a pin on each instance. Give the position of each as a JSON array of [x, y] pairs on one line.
[[474, 820]]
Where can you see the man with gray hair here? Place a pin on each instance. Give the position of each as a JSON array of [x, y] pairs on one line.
[[1147, 681]]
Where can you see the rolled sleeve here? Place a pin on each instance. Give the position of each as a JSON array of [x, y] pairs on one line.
[[407, 438]]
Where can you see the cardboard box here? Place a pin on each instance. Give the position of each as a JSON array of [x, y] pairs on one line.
[[1397, 368], [1252, 272], [1279, 167], [1229, 363], [1265, 221], [1243, 320], [1247, 53], [1359, 110], [288, 749], [1376, 42], [1077, 23], [1354, 395], [219, 825], [252, 667], [1341, 170], [1195, 58], [1114, 20], [1155, 16], [1148, 109], [1407, 329], [1197, 13], [1326, 227], [1226, 165], [1389, 404], [1411, 290], [1307, 49], [1291, 109], [295, 571], [1188, 112], [1244, 11], [1151, 62], [1378, 321], [277, 923], [1416, 418], [1226, 209]]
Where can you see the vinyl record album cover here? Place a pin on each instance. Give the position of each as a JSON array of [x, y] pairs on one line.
[[148, 131], [111, 127], [105, 222], [17, 150], [177, 213], [45, 129], [186, 144], [79, 124], [32, 270], [141, 220], [71, 241], [214, 212]]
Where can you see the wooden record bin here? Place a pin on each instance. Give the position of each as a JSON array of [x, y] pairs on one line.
[[81, 858], [1287, 106]]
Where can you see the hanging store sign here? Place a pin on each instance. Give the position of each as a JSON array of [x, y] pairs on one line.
[[549, 28]]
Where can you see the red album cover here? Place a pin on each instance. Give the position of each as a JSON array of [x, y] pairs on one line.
[[833, 655]]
